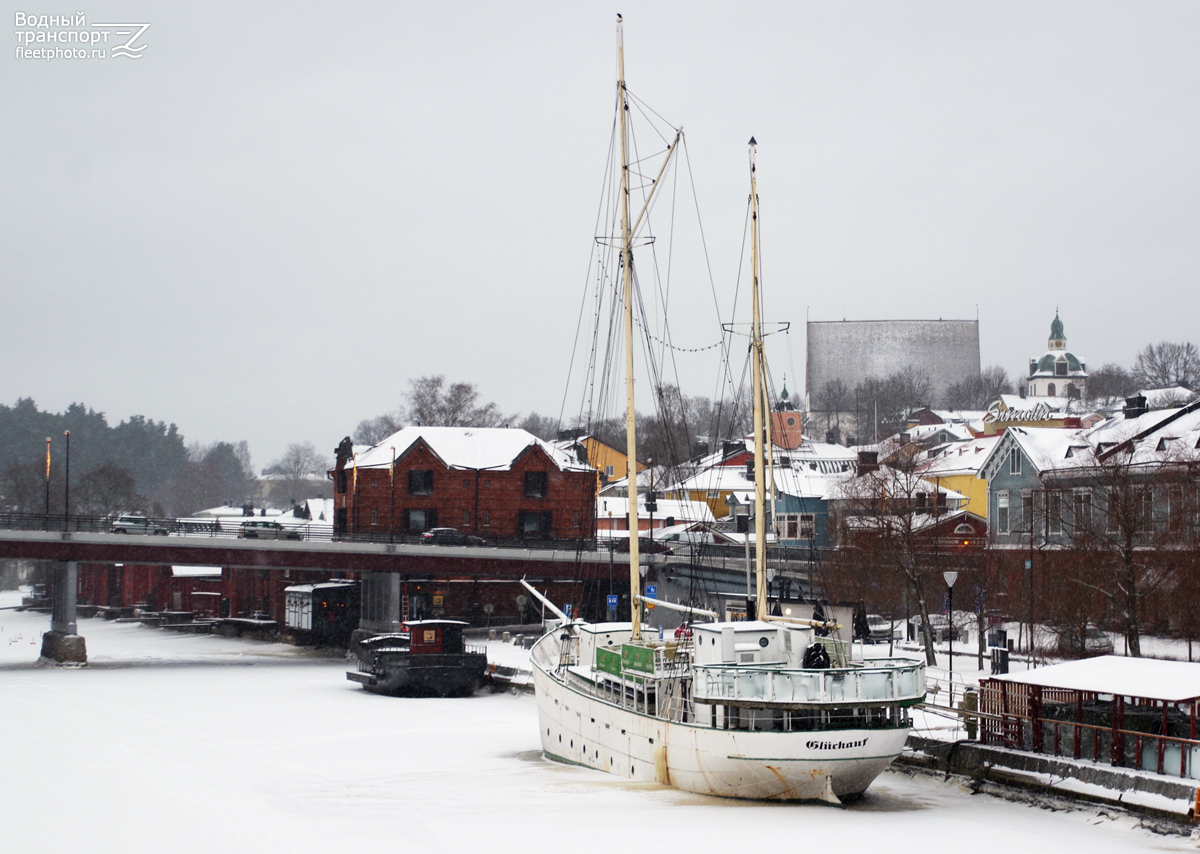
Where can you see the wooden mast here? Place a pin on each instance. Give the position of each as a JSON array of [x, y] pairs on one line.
[[757, 369], [635, 576]]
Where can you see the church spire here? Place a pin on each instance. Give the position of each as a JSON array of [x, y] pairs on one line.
[[1058, 339]]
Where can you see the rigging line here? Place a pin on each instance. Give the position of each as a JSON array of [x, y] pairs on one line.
[[646, 110], [704, 243], [592, 256], [663, 285], [737, 392], [669, 346]]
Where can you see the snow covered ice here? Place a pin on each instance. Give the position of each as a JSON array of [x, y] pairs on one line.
[[172, 742]]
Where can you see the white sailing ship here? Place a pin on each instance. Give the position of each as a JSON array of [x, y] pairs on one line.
[[732, 710]]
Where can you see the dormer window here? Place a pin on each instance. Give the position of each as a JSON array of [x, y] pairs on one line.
[[1060, 368]]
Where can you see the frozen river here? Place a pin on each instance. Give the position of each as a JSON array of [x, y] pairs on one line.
[[178, 743]]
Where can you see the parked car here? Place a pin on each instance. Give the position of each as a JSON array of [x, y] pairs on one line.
[[450, 537], [138, 525], [1084, 642], [645, 546], [264, 529], [881, 629]]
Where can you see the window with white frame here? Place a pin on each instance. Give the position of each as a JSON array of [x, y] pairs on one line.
[[1083, 510], [1054, 521], [1002, 512]]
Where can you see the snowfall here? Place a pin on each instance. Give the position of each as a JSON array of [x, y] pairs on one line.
[[178, 742]]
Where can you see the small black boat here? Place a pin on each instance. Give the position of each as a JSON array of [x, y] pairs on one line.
[[429, 659]]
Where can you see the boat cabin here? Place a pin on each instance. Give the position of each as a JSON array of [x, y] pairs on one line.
[[751, 642], [327, 611], [435, 636]]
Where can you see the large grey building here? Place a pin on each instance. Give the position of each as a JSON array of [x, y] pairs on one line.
[[855, 350]]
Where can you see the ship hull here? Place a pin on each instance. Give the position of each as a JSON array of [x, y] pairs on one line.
[[827, 765], [423, 675]]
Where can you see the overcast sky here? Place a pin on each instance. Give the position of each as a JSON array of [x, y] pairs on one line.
[[280, 213]]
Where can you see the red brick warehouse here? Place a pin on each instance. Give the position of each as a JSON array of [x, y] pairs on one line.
[[496, 483]]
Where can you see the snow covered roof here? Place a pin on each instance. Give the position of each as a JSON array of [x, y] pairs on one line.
[[195, 571], [221, 512], [1161, 397], [689, 511], [323, 585], [960, 458], [470, 448], [797, 480], [1150, 678], [1021, 404]]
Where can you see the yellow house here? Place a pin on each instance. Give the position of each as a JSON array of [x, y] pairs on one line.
[[958, 468], [603, 458]]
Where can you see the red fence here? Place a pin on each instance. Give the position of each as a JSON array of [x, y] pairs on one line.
[[1129, 732]]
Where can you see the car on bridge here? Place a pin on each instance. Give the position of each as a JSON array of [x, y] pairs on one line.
[[264, 529], [450, 537], [133, 524]]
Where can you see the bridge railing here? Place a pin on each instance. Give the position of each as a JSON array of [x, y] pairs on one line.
[[231, 527]]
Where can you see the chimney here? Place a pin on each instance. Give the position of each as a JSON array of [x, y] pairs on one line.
[[868, 461], [1136, 406]]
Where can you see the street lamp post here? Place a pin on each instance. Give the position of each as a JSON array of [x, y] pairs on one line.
[[951, 577], [67, 486], [46, 521]]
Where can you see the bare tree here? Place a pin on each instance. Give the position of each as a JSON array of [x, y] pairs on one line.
[[1124, 512], [431, 402], [884, 403], [981, 391], [885, 518], [107, 489], [23, 487], [1168, 364], [372, 431], [541, 426], [831, 400], [301, 470], [1109, 384]]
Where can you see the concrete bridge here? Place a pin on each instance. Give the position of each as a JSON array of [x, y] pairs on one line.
[[67, 549]]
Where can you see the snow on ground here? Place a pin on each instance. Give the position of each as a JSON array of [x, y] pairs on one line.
[[165, 743]]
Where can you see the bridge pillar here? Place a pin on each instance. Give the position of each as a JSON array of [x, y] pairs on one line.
[[62, 643]]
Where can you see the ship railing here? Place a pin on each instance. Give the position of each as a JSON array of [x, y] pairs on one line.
[[886, 681]]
